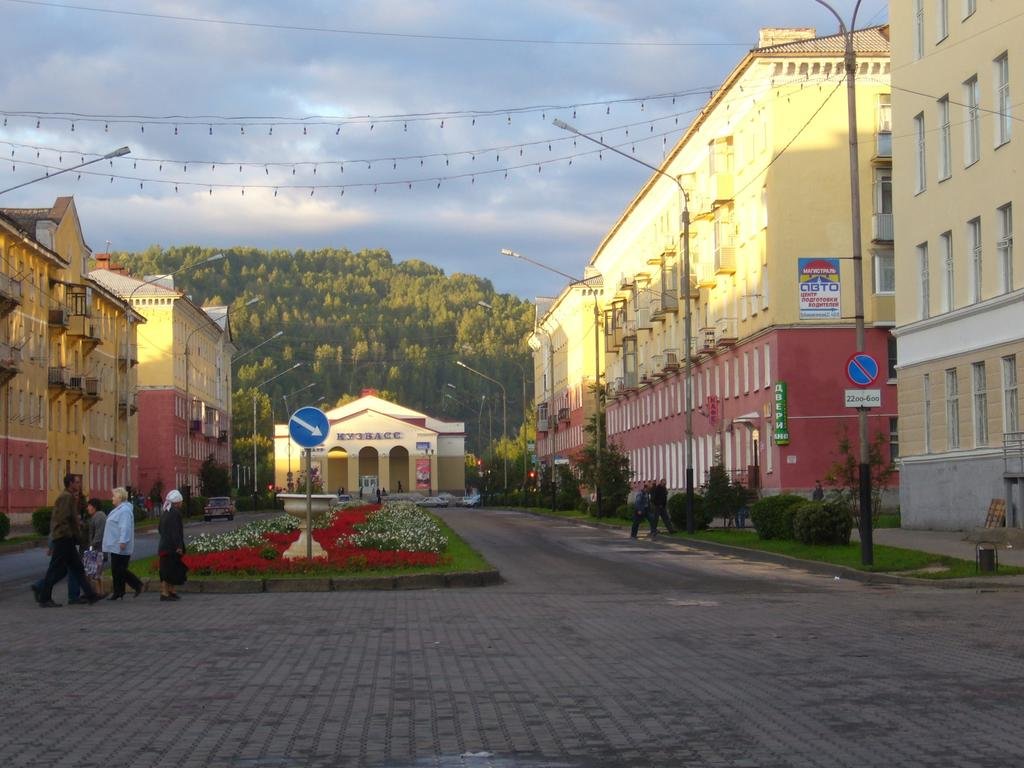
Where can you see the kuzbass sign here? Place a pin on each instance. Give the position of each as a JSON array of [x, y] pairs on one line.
[[819, 288]]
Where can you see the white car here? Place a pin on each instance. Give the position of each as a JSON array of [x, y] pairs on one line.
[[472, 500], [432, 501]]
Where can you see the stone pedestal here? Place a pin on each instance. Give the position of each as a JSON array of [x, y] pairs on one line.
[[295, 505]]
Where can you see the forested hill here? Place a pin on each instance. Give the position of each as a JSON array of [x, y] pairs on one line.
[[358, 320]]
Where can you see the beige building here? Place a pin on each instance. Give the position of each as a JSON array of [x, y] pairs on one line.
[[960, 317], [771, 288], [58, 366], [375, 444]]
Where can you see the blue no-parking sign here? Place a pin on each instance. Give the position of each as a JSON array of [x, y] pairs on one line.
[[862, 369], [309, 427]]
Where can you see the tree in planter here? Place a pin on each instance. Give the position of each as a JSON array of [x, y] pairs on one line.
[[615, 471], [214, 478], [722, 497], [844, 474]]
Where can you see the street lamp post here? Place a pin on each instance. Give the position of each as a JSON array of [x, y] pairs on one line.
[[119, 152], [255, 389], [864, 480], [684, 235], [504, 411], [117, 360], [598, 394]]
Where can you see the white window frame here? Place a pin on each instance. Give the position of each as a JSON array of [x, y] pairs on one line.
[[972, 122], [1011, 408], [925, 295], [885, 272], [948, 272], [918, 29], [926, 394], [1003, 120], [970, 6], [952, 410], [921, 178], [1004, 245], [979, 397], [945, 140], [941, 20], [974, 256]]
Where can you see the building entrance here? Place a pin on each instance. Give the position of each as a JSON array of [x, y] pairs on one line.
[[368, 486]]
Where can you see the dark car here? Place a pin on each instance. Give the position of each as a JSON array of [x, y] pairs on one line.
[[219, 506]]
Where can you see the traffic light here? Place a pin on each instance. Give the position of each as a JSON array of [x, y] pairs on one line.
[[270, 486]]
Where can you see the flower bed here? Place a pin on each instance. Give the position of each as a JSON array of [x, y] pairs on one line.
[[357, 539]]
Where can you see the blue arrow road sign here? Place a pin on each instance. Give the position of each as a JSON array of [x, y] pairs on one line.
[[862, 369], [309, 427]]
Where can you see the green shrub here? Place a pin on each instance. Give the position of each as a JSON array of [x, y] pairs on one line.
[[772, 516], [41, 520], [5, 526], [702, 515], [820, 522]]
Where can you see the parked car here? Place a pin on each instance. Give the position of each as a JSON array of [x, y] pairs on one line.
[[219, 506], [432, 501], [472, 500]]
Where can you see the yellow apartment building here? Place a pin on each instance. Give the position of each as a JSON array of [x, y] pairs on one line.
[[57, 362], [765, 171], [960, 318]]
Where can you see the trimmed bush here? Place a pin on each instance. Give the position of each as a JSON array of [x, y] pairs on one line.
[[41, 520], [702, 515], [5, 526], [822, 522], [772, 516]]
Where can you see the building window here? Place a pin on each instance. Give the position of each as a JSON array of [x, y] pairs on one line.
[[948, 286], [1011, 412], [921, 167], [918, 29], [894, 438], [922, 263], [891, 349], [926, 395], [1003, 124], [980, 398], [972, 126], [952, 410], [1004, 246], [970, 6], [885, 272], [945, 140], [941, 20], [974, 257]]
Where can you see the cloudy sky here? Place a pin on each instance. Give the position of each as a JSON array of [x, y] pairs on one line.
[[418, 126]]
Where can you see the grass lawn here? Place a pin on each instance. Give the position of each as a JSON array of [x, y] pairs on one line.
[[462, 558]]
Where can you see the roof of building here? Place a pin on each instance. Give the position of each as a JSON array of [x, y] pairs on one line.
[[27, 218], [126, 285], [869, 41]]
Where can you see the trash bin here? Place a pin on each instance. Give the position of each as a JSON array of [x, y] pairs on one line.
[[987, 560]]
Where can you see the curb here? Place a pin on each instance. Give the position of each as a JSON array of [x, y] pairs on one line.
[[455, 580], [988, 583]]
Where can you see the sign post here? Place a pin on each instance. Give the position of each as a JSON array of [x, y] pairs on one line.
[[309, 427]]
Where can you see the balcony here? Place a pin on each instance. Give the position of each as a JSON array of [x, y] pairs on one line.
[[59, 320], [211, 429], [881, 227], [613, 337], [720, 187], [10, 362], [726, 333], [706, 340], [58, 378], [91, 393], [86, 329], [76, 387], [126, 405], [543, 424], [725, 259], [127, 354], [657, 366], [10, 294], [563, 414], [671, 360]]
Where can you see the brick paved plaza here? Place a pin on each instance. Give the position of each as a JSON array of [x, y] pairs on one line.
[[597, 651]]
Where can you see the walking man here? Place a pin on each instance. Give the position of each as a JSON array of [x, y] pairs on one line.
[[659, 504], [65, 533], [642, 511]]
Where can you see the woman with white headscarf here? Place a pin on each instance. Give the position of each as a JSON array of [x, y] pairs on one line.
[[173, 570]]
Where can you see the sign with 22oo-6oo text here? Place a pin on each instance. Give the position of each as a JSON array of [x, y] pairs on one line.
[[781, 419]]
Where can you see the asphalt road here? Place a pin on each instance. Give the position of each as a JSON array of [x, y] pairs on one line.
[[597, 651]]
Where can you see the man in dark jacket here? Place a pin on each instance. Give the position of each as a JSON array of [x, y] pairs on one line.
[[65, 534], [659, 503]]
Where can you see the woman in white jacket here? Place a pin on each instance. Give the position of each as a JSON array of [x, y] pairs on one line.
[[119, 543]]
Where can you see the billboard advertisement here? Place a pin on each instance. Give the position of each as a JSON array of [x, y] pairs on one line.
[[423, 474], [820, 289]]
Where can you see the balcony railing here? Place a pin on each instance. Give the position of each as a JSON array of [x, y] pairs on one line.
[[881, 227], [10, 294]]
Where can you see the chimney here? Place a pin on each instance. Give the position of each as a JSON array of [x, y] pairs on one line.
[[102, 260], [769, 36]]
